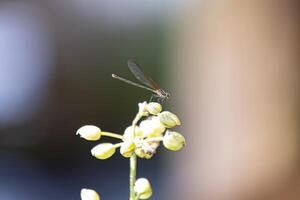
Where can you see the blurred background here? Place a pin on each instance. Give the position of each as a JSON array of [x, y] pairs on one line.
[[232, 68]]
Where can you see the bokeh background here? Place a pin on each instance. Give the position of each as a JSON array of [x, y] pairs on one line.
[[231, 66]]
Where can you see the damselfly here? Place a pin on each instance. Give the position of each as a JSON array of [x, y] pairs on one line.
[[149, 84]]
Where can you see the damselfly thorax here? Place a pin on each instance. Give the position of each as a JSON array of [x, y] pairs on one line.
[[149, 84]]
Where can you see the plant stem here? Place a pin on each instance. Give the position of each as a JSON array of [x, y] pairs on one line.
[[155, 139], [114, 135], [132, 177], [118, 145], [133, 162], [137, 197]]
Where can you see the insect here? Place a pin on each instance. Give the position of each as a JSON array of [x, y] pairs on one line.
[[149, 84]]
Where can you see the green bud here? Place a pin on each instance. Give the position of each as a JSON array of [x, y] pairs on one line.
[[129, 132], [127, 148], [143, 109], [152, 127], [88, 194], [154, 108], [143, 188], [140, 152], [148, 156], [103, 151], [89, 132], [168, 119], [173, 141]]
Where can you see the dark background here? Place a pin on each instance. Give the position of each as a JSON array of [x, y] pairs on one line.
[[56, 61], [231, 66]]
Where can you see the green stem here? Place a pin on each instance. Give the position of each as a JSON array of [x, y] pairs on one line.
[[137, 197], [133, 162], [132, 177], [114, 135], [118, 145], [155, 139]]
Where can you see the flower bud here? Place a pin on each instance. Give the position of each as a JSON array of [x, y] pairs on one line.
[[152, 127], [143, 188], [169, 119], [154, 108], [143, 109], [127, 148], [89, 132], [129, 132], [140, 152], [88, 194], [103, 151], [173, 141], [148, 156]]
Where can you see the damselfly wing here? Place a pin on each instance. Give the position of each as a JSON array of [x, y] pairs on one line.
[[149, 83]]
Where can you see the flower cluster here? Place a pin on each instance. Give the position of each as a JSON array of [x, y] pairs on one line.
[[141, 140]]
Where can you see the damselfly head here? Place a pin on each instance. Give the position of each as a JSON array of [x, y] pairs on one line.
[[168, 95], [164, 94]]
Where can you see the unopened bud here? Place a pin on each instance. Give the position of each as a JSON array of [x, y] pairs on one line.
[[173, 141], [128, 133], [152, 127], [140, 152], [127, 148], [103, 151], [143, 109], [143, 188], [169, 119], [154, 108], [148, 156], [89, 132], [88, 194]]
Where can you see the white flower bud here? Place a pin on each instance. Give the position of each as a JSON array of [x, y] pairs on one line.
[[140, 152], [148, 156], [127, 148], [169, 119], [89, 132], [103, 151], [88, 194], [143, 188], [129, 131], [173, 141], [143, 108], [154, 108], [152, 127]]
